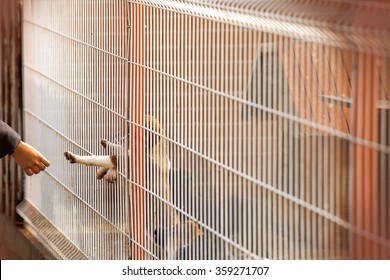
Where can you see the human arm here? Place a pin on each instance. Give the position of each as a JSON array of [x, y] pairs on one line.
[[9, 139], [26, 156]]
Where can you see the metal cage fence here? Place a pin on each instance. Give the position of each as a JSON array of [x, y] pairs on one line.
[[253, 129]]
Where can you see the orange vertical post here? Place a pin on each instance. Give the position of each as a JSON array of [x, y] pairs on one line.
[[137, 116], [364, 215], [364, 189]]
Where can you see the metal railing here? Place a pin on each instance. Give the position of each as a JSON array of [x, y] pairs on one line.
[[253, 129]]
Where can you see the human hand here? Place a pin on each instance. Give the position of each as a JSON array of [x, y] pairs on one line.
[[29, 159]]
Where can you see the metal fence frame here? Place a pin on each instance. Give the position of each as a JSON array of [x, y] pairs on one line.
[[274, 117]]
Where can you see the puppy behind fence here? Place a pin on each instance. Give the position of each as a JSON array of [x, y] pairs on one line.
[[169, 235]]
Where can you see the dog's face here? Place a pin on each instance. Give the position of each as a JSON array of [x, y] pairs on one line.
[[153, 132]]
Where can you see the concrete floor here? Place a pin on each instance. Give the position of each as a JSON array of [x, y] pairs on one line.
[[6, 254], [16, 243]]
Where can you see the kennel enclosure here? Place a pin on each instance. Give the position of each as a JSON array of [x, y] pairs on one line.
[[274, 114]]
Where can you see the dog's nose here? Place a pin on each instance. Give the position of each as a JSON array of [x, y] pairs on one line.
[[160, 236]]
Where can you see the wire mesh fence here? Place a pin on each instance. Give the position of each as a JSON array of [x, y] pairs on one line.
[[246, 129]]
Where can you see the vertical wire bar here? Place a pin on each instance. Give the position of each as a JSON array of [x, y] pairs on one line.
[[214, 190], [175, 187], [170, 128], [101, 207], [309, 142], [187, 107], [85, 61], [249, 115], [204, 105], [374, 214], [243, 47], [292, 147], [197, 118], [291, 152], [151, 111], [257, 70], [300, 139], [267, 99], [274, 155], [274, 146], [181, 109], [129, 114], [286, 101], [102, 96], [232, 150], [264, 138], [166, 113], [190, 121], [280, 105], [162, 117], [312, 112], [148, 110], [156, 101], [141, 118], [209, 188], [253, 115], [224, 130], [234, 136], [159, 114], [111, 88], [268, 138], [219, 112], [106, 95]]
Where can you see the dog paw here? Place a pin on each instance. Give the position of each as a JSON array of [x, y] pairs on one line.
[[111, 175], [70, 157], [104, 143], [101, 173]]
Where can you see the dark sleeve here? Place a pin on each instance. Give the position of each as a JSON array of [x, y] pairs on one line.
[[9, 139]]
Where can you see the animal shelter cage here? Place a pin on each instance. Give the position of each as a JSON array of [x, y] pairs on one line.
[[248, 129]]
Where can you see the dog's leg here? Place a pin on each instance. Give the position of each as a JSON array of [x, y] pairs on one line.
[[111, 147], [111, 175], [107, 164], [99, 161]]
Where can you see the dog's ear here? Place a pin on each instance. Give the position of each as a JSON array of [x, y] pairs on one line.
[[153, 132]]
